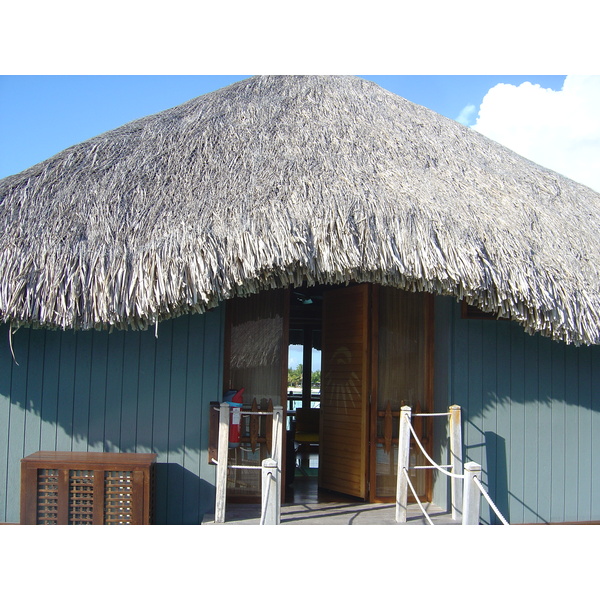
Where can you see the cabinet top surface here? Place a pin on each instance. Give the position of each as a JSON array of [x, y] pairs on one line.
[[91, 458]]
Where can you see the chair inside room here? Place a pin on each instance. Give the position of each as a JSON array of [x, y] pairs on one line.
[[307, 430]]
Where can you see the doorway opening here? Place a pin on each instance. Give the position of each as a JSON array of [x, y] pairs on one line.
[[304, 393], [342, 360], [328, 377], [356, 354]]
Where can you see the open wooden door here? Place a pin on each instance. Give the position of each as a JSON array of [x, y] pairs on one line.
[[345, 389]]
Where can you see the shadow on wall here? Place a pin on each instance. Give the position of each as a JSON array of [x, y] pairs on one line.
[[530, 412], [112, 392], [495, 366], [495, 479], [497, 483], [173, 485]]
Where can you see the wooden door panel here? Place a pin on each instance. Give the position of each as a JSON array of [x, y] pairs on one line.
[[345, 390]]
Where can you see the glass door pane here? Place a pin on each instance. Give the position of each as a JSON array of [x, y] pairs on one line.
[[402, 379], [257, 359]]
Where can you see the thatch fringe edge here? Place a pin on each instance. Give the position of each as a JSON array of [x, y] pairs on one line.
[[137, 294]]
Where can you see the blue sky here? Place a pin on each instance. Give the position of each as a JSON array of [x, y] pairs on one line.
[[553, 120], [42, 115]]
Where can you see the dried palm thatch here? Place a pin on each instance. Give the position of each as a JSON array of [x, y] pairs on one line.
[[274, 181]]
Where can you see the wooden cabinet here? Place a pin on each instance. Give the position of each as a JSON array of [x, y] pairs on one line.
[[87, 488]]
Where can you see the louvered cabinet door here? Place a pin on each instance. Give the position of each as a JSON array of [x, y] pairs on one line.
[[87, 488]]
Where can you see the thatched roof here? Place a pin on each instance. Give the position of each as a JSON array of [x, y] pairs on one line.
[[278, 180]]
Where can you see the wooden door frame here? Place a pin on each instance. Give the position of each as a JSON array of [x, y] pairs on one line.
[[285, 342], [374, 354]]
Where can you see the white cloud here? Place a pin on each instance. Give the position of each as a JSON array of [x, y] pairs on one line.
[[465, 114], [557, 129]]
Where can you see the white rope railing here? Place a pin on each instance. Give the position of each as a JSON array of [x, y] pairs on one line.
[[270, 466], [490, 502], [406, 430], [417, 497], [433, 463], [469, 493]]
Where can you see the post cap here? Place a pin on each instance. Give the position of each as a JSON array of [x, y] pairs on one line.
[[472, 466]]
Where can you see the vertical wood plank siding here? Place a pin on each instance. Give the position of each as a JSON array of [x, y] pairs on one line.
[[531, 416], [117, 392]]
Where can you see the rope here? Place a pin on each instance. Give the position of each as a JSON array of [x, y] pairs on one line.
[[449, 474], [246, 413], [457, 476], [415, 495], [216, 462], [486, 496]]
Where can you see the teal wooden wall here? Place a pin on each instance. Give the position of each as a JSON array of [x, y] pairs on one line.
[[118, 392], [531, 416]]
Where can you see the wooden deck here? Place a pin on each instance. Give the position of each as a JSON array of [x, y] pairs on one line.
[[306, 504], [334, 513]]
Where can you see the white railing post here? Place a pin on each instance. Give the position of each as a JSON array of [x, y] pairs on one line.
[[277, 454], [222, 454], [455, 459], [271, 499], [471, 494], [403, 458], [277, 435]]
